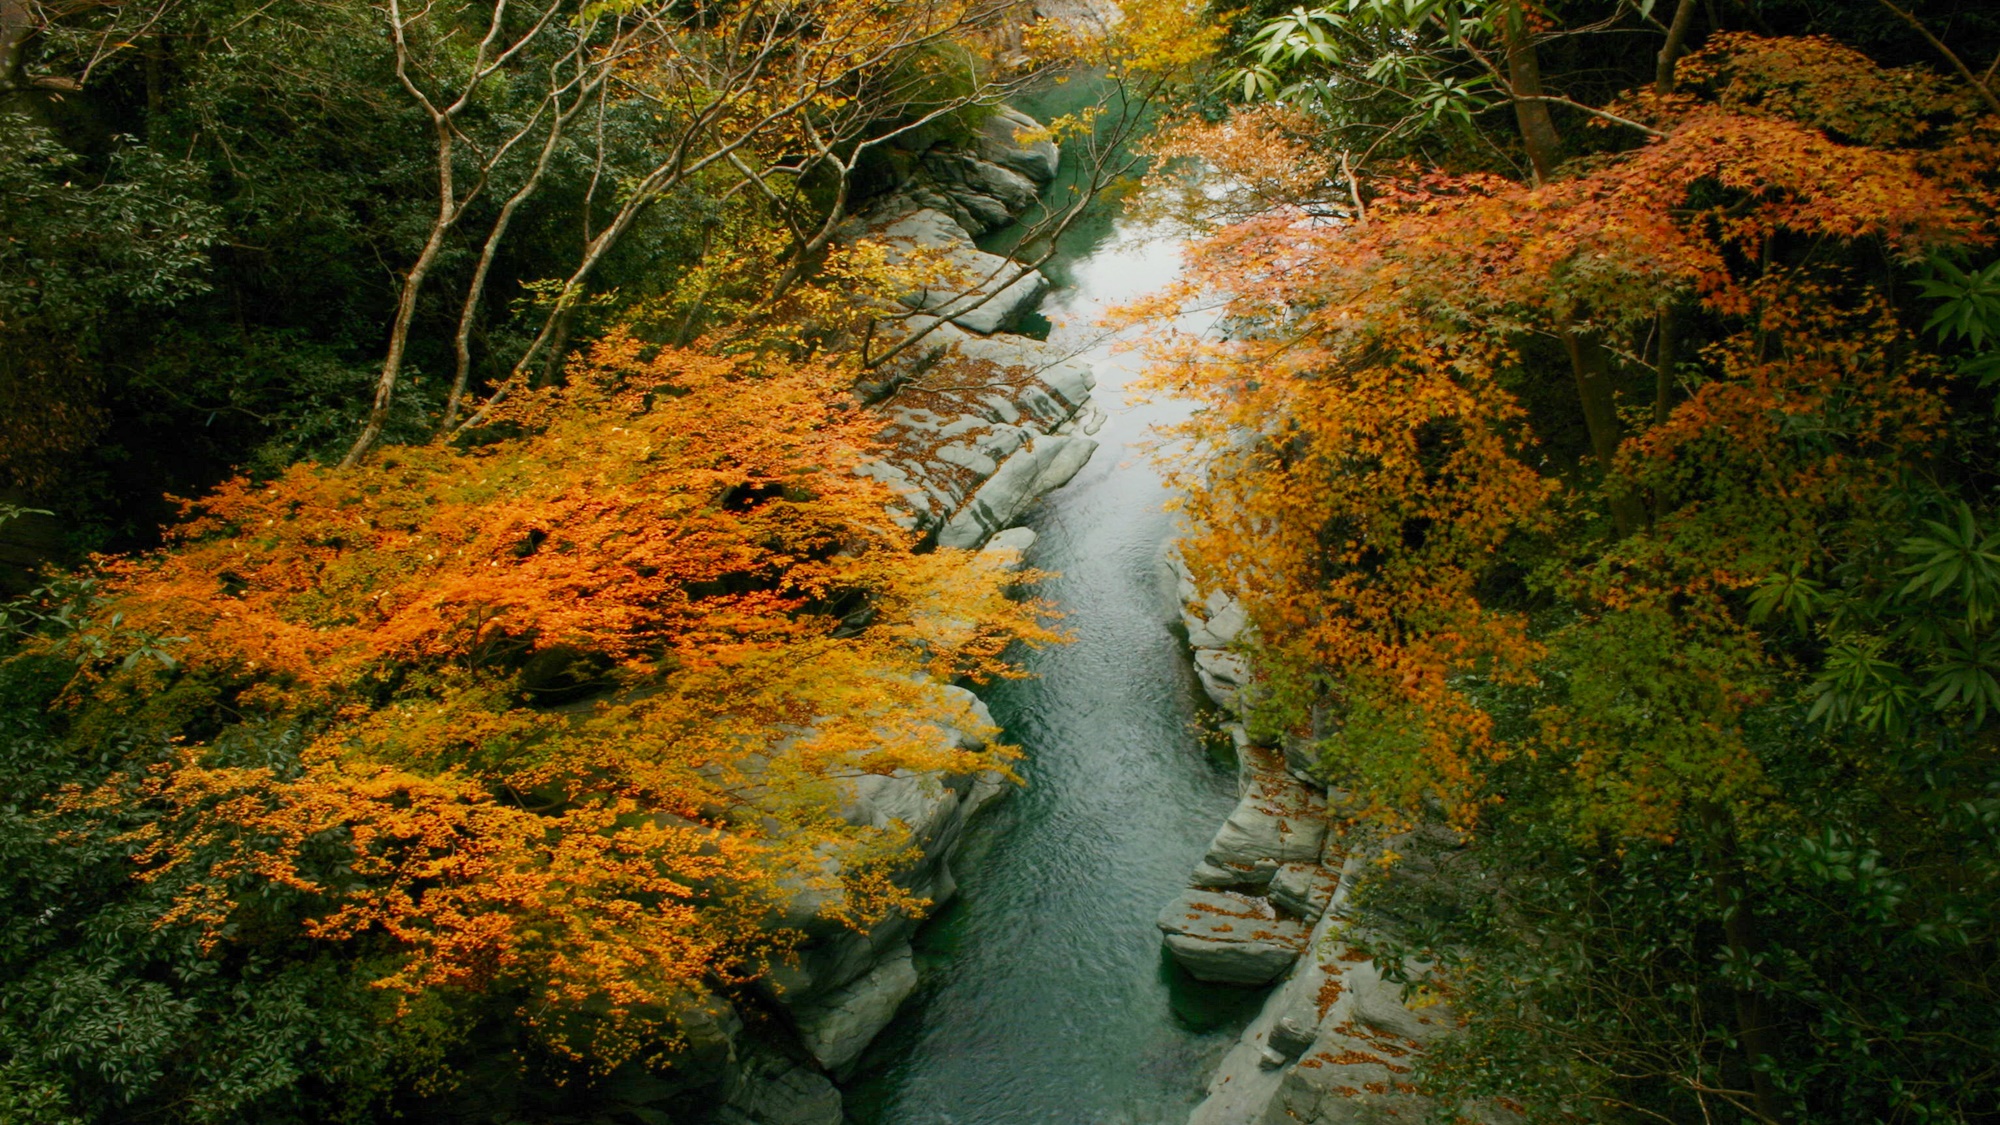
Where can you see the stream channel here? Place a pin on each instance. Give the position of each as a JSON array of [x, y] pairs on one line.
[[1047, 996]]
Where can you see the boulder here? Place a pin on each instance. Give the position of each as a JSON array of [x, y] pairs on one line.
[[1009, 548], [978, 291], [1000, 143], [1215, 621], [1044, 466], [1278, 821], [1253, 875], [1231, 938], [1207, 876], [771, 1089], [963, 174], [1223, 676], [836, 1027], [1345, 1041], [935, 809]]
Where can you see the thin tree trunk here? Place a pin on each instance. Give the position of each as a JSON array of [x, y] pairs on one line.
[[1665, 356], [475, 290], [1983, 89], [18, 26], [1524, 77], [1677, 33], [1600, 417], [1664, 359], [406, 305], [1739, 933], [451, 207]]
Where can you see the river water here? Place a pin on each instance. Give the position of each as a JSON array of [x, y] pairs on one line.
[[1046, 995]]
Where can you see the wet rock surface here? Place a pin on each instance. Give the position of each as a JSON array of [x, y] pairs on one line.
[[1231, 938]]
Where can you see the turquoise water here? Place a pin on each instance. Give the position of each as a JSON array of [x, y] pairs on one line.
[[1046, 996]]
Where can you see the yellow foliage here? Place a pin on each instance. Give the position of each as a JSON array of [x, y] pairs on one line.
[[573, 709]]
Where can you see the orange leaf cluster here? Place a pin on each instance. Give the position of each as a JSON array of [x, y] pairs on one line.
[[1374, 452], [567, 713]]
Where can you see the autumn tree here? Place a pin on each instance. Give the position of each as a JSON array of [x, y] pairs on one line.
[[558, 722], [1627, 519]]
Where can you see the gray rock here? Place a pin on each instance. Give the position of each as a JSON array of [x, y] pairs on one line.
[[960, 174], [709, 1029], [1216, 621], [1292, 1036], [838, 1026], [1305, 889], [967, 406], [1041, 468], [1231, 938], [1243, 1085], [1278, 821], [1251, 877], [773, 1090], [982, 292], [1010, 547], [1301, 756], [1000, 143], [1207, 876], [935, 809], [1354, 1040], [1223, 676]]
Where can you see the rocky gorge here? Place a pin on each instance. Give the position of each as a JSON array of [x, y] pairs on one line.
[[1271, 902], [980, 423]]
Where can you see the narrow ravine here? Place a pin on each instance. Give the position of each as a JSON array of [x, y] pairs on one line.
[[1046, 995]]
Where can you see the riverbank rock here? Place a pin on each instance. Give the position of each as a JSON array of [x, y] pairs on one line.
[[1010, 547], [838, 1026], [934, 809], [1046, 464], [978, 428], [1000, 142], [1336, 1042], [1231, 938], [1278, 820], [1217, 626], [973, 289], [978, 425], [984, 182], [1304, 889], [771, 1089]]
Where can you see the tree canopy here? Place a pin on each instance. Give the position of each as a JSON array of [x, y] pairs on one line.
[[1621, 498]]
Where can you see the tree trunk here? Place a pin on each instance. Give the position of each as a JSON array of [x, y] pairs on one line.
[[461, 374], [1524, 76], [1665, 356], [406, 305], [1677, 33], [17, 28], [1739, 933], [1600, 417]]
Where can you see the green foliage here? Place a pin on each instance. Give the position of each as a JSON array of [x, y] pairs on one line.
[[1968, 302], [1398, 53], [1731, 852], [105, 1015]]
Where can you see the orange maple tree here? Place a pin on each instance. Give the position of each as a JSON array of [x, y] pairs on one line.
[[1442, 398], [564, 714]]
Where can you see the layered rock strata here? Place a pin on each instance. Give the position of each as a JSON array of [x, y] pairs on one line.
[[1335, 1041]]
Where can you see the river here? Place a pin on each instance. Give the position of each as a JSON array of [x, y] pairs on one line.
[[1046, 995]]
